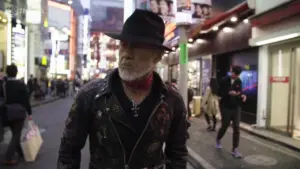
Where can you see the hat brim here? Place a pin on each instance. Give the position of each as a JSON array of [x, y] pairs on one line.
[[136, 40]]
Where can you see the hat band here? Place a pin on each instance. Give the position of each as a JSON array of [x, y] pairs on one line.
[[140, 39]]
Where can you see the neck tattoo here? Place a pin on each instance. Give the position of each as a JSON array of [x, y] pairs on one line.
[[135, 108]]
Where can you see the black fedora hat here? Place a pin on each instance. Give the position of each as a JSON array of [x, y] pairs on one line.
[[143, 27]]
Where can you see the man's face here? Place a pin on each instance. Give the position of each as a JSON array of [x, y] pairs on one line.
[[163, 7], [198, 10], [154, 6], [233, 75], [136, 60], [205, 10]]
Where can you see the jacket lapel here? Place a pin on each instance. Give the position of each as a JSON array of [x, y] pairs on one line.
[[113, 109]]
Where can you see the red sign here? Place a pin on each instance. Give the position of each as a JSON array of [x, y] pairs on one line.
[[279, 79]]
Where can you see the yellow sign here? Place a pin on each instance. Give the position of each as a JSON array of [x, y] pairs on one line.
[[44, 60], [247, 67], [46, 23]]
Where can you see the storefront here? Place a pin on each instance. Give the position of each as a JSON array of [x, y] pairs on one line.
[[3, 39], [221, 44], [248, 60], [279, 64], [195, 81]]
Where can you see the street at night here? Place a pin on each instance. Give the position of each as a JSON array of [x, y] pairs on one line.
[[51, 120]]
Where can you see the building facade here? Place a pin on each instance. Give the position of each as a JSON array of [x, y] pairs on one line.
[[276, 32]]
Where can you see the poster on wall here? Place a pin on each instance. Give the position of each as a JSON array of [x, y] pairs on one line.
[[164, 8], [201, 10], [107, 16], [206, 74], [184, 6]]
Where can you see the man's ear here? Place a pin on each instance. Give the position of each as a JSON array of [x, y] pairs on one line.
[[159, 55]]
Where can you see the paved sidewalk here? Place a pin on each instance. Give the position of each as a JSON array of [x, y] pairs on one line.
[[48, 99], [258, 153]]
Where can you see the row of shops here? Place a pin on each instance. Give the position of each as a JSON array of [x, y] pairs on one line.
[[265, 41], [40, 44]]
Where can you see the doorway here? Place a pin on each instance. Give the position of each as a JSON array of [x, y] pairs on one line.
[[295, 97], [284, 96]]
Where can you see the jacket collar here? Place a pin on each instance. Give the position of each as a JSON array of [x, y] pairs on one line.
[[106, 86], [112, 107]]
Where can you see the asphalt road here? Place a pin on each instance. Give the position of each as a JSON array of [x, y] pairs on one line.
[[50, 118]]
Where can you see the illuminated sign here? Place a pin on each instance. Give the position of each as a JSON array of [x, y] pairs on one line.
[[170, 36], [170, 27], [44, 60]]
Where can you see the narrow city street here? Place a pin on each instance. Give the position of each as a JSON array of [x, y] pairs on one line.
[[50, 118]]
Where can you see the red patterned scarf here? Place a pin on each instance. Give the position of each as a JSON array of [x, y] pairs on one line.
[[141, 84]]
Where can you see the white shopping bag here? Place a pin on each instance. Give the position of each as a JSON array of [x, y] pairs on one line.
[[31, 142]]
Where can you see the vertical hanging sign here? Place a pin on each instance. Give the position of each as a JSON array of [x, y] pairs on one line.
[[183, 58]]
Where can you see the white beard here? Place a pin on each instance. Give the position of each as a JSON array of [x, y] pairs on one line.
[[131, 76]]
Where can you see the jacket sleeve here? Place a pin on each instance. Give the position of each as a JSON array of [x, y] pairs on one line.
[[176, 150], [75, 134]]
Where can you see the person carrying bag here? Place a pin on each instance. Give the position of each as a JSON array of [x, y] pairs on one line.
[[13, 112]]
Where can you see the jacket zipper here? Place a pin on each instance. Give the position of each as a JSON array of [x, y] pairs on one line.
[[130, 157], [124, 152]]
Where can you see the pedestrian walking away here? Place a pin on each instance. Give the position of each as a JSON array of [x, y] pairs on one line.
[[211, 104], [130, 114], [230, 91]]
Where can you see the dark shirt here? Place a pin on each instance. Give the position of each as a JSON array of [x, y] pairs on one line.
[[17, 93], [225, 87], [144, 112]]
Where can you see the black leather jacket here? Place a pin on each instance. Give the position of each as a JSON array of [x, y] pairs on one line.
[[96, 113]]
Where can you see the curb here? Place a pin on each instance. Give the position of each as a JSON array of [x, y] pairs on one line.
[[197, 161], [45, 102], [294, 148], [274, 140]]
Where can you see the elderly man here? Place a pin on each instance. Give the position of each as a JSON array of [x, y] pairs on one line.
[[130, 114]]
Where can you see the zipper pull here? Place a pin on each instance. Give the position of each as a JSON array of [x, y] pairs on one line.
[[104, 132]]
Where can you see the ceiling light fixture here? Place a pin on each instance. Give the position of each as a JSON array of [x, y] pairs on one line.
[[228, 29], [234, 19], [70, 2], [246, 21], [190, 40], [4, 20], [200, 41], [215, 28]]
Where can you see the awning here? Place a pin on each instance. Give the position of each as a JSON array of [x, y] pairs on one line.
[[279, 13]]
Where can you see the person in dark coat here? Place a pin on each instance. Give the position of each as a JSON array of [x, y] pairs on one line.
[[230, 92], [16, 93], [131, 114]]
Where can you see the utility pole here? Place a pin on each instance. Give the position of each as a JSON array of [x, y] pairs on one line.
[[183, 61]]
